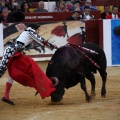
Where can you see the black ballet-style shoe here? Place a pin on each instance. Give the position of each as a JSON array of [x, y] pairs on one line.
[[7, 101]]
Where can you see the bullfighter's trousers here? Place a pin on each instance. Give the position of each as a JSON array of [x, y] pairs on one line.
[[8, 53]]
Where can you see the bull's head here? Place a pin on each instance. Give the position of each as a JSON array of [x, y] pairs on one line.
[[57, 95], [55, 71]]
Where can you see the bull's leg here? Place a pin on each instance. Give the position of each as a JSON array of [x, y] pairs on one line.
[[83, 87], [91, 78], [104, 78]]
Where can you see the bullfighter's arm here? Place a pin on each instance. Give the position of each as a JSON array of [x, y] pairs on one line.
[[39, 39]]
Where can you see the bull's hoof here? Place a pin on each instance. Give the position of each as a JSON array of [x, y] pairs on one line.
[[88, 99], [103, 96], [56, 103], [7, 101], [103, 93]]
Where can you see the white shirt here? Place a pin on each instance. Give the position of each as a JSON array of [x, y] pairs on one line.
[[113, 16], [87, 17], [25, 37]]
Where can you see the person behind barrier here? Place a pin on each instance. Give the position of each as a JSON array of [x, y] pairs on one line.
[[76, 6], [115, 13], [41, 7], [75, 16], [106, 11], [89, 4], [6, 16], [87, 14]]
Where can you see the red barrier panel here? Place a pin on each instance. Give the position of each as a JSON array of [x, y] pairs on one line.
[[94, 32], [53, 16]]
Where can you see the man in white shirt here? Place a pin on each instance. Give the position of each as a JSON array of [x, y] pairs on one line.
[[115, 12], [86, 14]]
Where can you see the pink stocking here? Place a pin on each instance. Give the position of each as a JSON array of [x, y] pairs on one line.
[[7, 90]]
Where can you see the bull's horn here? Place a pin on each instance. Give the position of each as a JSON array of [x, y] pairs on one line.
[[55, 79]]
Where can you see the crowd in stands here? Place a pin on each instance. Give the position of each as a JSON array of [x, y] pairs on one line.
[[10, 9]]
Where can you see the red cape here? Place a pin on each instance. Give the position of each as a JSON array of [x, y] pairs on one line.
[[25, 71]]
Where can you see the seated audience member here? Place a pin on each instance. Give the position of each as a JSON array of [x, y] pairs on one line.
[[2, 5], [41, 7], [76, 6], [106, 11], [114, 14], [22, 1], [86, 14], [25, 7], [6, 16], [75, 16], [61, 7], [89, 4], [13, 6], [58, 1]]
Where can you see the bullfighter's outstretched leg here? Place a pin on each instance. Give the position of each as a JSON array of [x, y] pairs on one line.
[[83, 87], [6, 97], [91, 78]]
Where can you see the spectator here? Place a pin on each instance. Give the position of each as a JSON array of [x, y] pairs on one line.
[[25, 7], [88, 3], [13, 6], [76, 7], [115, 11], [86, 14], [61, 7], [2, 5], [21, 1], [106, 11], [75, 16], [114, 14], [6, 16], [41, 7], [58, 2]]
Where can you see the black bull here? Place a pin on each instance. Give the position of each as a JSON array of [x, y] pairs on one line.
[[71, 67]]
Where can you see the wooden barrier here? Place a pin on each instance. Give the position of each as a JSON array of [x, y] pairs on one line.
[[53, 16], [94, 32]]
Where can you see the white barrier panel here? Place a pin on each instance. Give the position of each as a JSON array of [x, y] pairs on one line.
[[111, 41], [1, 40]]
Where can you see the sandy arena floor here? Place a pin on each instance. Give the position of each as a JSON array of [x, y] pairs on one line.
[[74, 107]]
